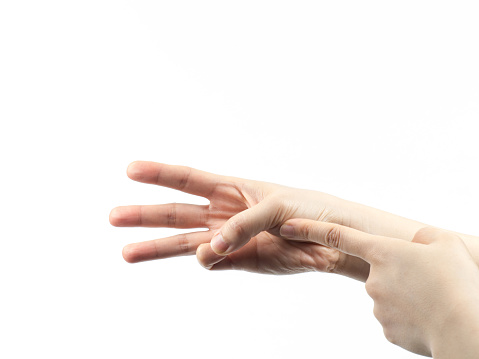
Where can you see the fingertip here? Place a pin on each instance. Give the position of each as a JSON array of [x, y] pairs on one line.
[[136, 252], [428, 235], [128, 254], [134, 169], [115, 217], [206, 257], [130, 170], [201, 255], [201, 248]]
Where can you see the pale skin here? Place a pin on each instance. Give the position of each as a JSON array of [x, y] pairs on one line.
[[248, 215], [242, 231], [425, 292]]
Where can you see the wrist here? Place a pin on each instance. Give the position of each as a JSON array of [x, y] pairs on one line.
[[456, 336]]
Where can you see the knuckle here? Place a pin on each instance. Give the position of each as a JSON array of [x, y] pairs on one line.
[[205, 216], [390, 335], [172, 215], [183, 244], [372, 289], [336, 262], [306, 230], [278, 201], [185, 178], [380, 257], [201, 257], [275, 198], [276, 206], [427, 232], [333, 237]]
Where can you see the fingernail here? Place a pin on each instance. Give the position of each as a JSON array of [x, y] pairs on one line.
[[218, 244], [287, 231]]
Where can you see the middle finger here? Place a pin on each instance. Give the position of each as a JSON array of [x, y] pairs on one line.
[[172, 215]]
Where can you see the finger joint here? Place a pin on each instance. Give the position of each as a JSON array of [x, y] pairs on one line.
[[184, 180], [171, 216], [333, 237], [183, 244]]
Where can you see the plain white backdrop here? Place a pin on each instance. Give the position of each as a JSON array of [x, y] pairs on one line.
[[375, 102]]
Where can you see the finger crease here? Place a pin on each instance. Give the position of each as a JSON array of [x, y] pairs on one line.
[[184, 180], [183, 243], [213, 189], [171, 217], [333, 238], [140, 216]]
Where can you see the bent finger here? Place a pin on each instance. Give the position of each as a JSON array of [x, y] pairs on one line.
[[240, 228]]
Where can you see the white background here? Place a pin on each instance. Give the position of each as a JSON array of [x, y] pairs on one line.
[[372, 101]]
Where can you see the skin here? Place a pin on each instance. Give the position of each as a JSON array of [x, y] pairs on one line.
[[247, 215], [425, 292]]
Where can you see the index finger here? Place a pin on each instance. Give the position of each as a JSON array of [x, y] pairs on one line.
[[185, 179], [345, 239]]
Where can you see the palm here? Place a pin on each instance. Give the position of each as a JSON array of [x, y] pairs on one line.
[[266, 252]]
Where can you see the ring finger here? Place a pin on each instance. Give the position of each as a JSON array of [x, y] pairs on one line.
[[179, 245]]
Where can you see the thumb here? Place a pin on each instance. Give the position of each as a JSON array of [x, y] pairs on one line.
[[342, 238], [240, 228]]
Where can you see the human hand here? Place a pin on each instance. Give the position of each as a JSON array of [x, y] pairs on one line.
[[425, 292], [248, 213]]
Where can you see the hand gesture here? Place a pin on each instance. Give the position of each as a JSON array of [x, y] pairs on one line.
[[425, 292], [246, 214]]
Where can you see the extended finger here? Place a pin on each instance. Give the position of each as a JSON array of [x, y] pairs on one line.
[[172, 215], [179, 245], [345, 239], [181, 178]]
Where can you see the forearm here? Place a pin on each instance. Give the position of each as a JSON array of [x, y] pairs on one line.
[[381, 223], [378, 222], [472, 244], [459, 337]]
